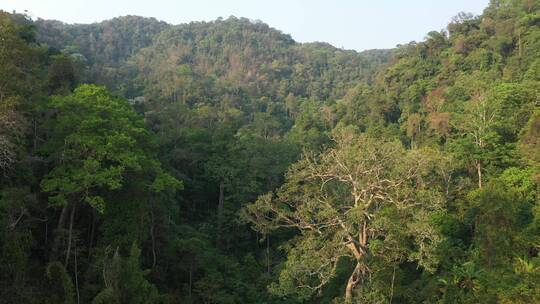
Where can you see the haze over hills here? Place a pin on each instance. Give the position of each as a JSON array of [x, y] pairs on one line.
[[224, 162], [349, 25], [238, 51]]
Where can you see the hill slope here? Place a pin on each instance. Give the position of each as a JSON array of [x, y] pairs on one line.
[[249, 55], [227, 163]]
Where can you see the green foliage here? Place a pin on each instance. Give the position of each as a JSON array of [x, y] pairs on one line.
[[125, 281], [61, 289], [96, 139], [361, 187], [18, 85], [61, 76], [409, 175]]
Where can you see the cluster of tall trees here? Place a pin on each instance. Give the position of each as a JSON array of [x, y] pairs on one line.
[[223, 162]]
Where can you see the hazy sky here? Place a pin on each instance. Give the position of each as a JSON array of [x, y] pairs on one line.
[[360, 24]]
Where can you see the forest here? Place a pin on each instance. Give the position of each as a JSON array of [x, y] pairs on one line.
[[224, 162]]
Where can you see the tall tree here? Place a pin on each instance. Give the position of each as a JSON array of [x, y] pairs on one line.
[[18, 83], [477, 125], [95, 141], [362, 199]]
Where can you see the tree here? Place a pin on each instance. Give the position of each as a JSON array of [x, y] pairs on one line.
[[361, 200], [18, 66], [61, 74], [414, 128], [477, 126], [61, 289], [229, 103], [529, 144], [95, 141], [125, 281]]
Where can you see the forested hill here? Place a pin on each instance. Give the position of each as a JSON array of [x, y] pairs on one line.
[[104, 43], [223, 162], [247, 54]]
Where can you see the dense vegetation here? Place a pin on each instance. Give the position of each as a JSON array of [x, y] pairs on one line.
[[223, 162]]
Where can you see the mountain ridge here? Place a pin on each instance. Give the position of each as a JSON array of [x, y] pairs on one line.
[[224, 48]]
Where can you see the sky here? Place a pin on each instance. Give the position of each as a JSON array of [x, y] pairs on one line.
[[349, 24]]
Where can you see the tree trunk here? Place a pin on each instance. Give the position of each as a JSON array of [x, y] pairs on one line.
[[220, 214], [92, 231], [46, 233], [57, 233], [479, 171], [70, 233], [353, 281], [392, 286], [35, 136], [268, 253], [62, 218], [519, 44], [190, 280], [77, 277], [152, 235]]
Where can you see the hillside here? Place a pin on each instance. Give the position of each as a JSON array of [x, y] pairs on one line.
[[243, 53], [224, 162]]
